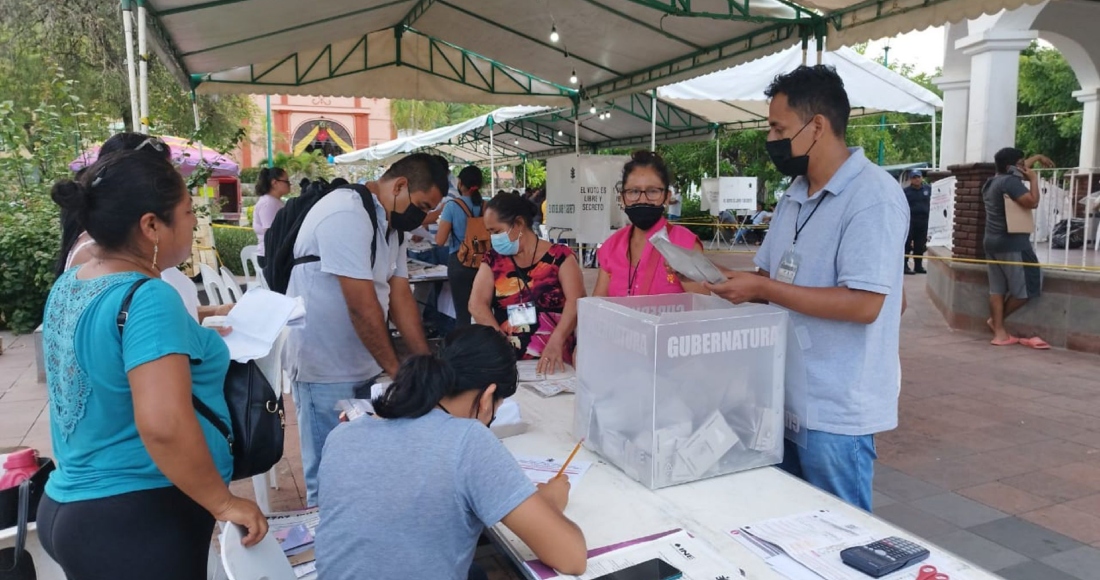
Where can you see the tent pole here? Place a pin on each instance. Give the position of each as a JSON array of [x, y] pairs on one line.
[[492, 160], [577, 130], [935, 160], [653, 124], [131, 66], [805, 50], [717, 154], [270, 159], [820, 50], [143, 69]]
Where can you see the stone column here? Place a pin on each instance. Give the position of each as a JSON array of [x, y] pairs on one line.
[[994, 71], [956, 103], [1090, 128], [969, 209]]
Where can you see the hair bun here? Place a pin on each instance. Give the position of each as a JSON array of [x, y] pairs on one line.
[[70, 195]]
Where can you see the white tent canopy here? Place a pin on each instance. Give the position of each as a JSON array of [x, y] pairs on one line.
[[500, 51], [537, 132], [736, 95], [439, 139]]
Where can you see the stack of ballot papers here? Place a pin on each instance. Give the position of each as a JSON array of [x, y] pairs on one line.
[[295, 532], [807, 547], [257, 320], [546, 384]]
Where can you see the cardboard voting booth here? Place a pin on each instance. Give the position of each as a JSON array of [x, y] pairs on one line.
[[581, 196], [736, 194], [680, 387]]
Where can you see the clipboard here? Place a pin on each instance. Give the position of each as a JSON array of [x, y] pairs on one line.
[[1018, 219]]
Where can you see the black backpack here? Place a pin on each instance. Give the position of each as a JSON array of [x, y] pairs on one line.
[[281, 236]]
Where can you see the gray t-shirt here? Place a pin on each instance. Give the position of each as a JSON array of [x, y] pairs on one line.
[[327, 349], [408, 498], [997, 239]]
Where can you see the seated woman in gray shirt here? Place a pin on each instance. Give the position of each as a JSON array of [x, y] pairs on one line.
[[406, 494]]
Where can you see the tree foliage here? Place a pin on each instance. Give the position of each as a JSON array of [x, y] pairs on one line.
[[1046, 85], [412, 115], [85, 39]]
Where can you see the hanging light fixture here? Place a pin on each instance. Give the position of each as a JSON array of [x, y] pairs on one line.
[[516, 142], [554, 36], [592, 110], [560, 133], [607, 115], [573, 77]]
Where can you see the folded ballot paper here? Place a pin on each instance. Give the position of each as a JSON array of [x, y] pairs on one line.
[[257, 320], [690, 264]]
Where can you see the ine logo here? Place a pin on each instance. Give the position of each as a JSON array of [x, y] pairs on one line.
[[683, 552], [572, 173]]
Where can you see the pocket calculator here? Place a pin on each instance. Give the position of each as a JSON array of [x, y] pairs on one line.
[[882, 557]]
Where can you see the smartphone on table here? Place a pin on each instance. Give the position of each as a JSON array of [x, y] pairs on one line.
[[655, 569]]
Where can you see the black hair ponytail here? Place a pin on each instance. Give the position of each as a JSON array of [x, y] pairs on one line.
[[470, 177], [472, 358], [72, 198], [420, 384], [266, 179]]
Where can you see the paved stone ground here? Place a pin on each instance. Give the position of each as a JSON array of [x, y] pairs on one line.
[[997, 455]]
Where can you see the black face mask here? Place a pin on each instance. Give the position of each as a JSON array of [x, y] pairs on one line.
[[644, 216], [408, 220], [787, 164]]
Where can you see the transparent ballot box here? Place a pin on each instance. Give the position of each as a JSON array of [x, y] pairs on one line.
[[680, 387]]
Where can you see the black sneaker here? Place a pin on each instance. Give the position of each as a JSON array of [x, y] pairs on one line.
[[908, 272], [920, 271]]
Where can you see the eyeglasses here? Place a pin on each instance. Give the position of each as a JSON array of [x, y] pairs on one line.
[[650, 193], [286, 181], [153, 142]]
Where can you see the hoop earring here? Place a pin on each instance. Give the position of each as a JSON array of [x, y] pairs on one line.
[[156, 249]]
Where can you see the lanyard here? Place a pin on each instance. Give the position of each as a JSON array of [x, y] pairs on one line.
[[521, 274], [631, 274], [798, 228]]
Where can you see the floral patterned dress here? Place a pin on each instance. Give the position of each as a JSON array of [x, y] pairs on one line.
[[540, 284]]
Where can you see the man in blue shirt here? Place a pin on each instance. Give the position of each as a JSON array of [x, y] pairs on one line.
[[831, 260], [919, 196]]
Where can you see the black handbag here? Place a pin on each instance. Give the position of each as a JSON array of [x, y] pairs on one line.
[[255, 437], [10, 501], [16, 563]]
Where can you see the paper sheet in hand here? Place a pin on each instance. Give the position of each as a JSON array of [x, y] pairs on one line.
[[696, 559], [257, 321], [814, 540], [689, 263], [528, 372], [541, 470]]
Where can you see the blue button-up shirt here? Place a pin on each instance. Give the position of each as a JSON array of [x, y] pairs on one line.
[[849, 378]]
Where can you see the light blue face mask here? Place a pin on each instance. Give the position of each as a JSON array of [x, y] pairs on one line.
[[504, 245]]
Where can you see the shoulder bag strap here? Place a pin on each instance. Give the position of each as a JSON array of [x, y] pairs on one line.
[[202, 408], [469, 214], [21, 526]]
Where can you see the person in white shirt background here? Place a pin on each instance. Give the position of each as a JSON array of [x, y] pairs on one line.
[[271, 185]]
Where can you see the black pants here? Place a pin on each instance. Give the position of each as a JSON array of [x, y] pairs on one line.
[[158, 533], [918, 239], [462, 283]]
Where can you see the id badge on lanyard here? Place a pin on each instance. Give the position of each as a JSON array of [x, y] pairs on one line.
[[788, 266], [523, 314]]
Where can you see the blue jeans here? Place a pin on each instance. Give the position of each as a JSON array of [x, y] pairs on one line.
[[842, 465], [315, 406]]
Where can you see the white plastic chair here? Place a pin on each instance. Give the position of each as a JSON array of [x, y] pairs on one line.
[[264, 561], [249, 257], [231, 285], [216, 292], [272, 368]]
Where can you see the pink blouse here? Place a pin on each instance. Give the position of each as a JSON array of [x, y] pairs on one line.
[[650, 276]]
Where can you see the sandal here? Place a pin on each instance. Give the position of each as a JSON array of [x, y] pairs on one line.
[[1006, 342], [1035, 342]]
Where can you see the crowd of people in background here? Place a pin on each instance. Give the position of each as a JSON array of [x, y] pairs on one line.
[[124, 357]]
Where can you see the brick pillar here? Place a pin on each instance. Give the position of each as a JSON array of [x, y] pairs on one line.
[[969, 208]]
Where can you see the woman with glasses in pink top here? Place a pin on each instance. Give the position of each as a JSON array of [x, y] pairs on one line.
[[629, 264]]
